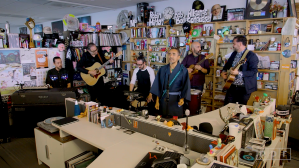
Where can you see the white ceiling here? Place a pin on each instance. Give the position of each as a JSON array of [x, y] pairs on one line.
[[16, 11]]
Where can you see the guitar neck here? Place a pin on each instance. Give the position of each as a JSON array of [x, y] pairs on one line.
[[201, 61]]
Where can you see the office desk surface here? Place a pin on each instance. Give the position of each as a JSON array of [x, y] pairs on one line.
[[94, 135], [130, 152], [214, 118]]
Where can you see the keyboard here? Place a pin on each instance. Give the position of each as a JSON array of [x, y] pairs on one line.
[[36, 88]]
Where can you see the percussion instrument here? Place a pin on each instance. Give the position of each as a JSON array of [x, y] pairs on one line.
[[195, 103]]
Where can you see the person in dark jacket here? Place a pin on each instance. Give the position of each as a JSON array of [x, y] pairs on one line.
[[88, 59], [245, 82]]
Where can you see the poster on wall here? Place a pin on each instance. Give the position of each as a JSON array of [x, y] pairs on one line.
[[41, 76], [85, 19], [10, 77], [23, 30], [9, 56], [54, 52], [29, 71], [38, 29], [57, 27], [27, 56], [41, 58], [31, 83]]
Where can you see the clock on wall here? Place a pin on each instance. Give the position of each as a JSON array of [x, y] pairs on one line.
[[168, 13]]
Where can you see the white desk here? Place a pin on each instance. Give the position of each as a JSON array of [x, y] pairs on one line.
[[217, 123], [123, 150]]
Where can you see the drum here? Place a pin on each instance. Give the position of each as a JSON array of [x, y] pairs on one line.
[[195, 103]]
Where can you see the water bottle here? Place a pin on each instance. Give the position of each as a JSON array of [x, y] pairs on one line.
[[77, 109]]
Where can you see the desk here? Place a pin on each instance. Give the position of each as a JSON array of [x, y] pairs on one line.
[[214, 117], [123, 150], [120, 149]]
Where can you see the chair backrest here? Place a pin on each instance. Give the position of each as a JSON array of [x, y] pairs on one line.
[[206, 127]]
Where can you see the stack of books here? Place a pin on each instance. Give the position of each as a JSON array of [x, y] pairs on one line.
[[80, 161]]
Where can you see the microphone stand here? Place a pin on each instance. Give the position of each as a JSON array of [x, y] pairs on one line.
[[186, 146]]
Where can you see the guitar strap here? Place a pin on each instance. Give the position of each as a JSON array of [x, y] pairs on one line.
[[100, 58], [244, 54]]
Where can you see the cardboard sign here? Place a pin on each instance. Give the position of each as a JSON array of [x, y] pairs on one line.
[[285, 66], [41, 57], [135, 124]]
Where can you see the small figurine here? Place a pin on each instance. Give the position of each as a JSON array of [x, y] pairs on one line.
[[211, 152], [219, 144], [130, 16], [211, 147], [158, 118]]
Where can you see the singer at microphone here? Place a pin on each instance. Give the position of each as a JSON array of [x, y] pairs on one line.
[[172, 86]]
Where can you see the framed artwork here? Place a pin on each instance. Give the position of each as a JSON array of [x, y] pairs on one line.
[[292, 8], [235, 14], [38, 28], [256, 10], [23, 30], [57, 27], [83, 27], [85, 19], [258, 128], [218, 12]]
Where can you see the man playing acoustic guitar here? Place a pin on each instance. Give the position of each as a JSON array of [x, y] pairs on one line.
[[198, 79], [245, 77], [87, 60]]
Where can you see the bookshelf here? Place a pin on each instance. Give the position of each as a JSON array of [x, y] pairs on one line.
[[285, 84]]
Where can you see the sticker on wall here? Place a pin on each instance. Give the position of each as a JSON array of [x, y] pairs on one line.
[[286, 53]]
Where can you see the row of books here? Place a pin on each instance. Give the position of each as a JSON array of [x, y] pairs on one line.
[[157, 32], [107, 39], [228, 155], [81, 161], [266, 76], [138, 32]]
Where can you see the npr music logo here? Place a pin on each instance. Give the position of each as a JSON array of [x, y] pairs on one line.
[[276, 154]]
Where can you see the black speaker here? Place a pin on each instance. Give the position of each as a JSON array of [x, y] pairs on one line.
[[4, 123]]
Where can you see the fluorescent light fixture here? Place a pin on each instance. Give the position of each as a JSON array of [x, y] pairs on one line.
[[73, 3]]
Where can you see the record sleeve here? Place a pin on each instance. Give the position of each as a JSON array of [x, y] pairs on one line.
[[257, 10]]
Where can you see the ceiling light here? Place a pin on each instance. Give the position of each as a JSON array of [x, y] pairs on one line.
[[60, 1]]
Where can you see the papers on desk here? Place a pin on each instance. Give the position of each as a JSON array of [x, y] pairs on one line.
[[81, 160]]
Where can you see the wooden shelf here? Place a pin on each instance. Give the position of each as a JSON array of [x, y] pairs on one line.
[[267, 70], [224, 43], [177, 36], [233, 21], [209, 75], [270, 90], [156, 38], [209, 90], [276, 52], [207, 98], [267, 19], [157, 63], [156, 45], [202, 37], [138, 37], [157, 51], [206, 105], [126, 61], [267, 81], [264, 34], [138, 50]]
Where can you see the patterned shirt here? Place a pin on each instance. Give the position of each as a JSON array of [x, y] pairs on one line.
[[239, 78]]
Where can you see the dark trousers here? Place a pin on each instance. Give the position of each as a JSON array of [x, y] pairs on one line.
[[236, 94], [97, 91], [200, 87]]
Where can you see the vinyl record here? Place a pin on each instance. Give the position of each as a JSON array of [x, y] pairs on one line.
[[198, 5], [256, 6], [195, 33]]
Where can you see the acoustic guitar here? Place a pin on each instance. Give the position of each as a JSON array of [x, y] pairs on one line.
[[195, 71], [92, 80], [231, 78]]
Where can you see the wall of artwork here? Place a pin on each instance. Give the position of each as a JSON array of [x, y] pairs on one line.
[[109, 17], [26, 66]]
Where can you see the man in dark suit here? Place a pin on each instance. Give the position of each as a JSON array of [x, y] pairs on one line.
[[245, 82]]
